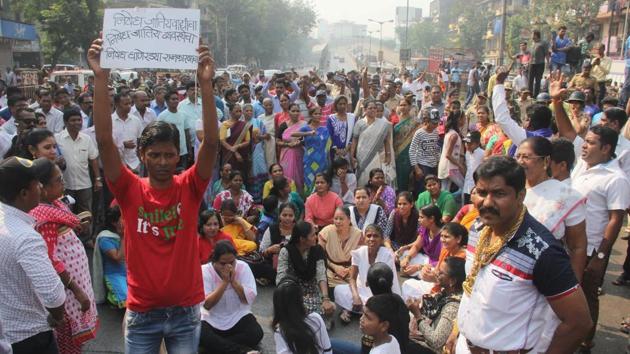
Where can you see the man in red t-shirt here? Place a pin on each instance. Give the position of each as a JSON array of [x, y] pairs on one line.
[[160, 217]]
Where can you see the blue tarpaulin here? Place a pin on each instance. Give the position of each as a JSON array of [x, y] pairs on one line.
[[17, 30]]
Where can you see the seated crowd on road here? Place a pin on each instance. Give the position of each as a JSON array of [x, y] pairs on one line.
[[475, 225]]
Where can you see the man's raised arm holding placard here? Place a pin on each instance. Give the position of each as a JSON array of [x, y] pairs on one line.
[[165, 285]]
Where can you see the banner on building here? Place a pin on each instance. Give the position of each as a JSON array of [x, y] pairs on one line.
[[150, 38]]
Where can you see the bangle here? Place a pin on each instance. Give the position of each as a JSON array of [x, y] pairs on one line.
[[99, 179], [325, 298], [69, 283]]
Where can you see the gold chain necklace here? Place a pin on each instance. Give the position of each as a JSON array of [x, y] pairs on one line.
[[488, 248]]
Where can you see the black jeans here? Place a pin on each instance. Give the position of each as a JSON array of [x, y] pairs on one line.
[[42, 343], [245, 335], [590, 285], [534, 78], [602, 92]]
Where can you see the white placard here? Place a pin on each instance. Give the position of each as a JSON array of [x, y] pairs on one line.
[[161, 38]]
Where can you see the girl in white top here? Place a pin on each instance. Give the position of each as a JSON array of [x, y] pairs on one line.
[[343, 182], [451, 166], [294, 331], [378, 315], [230, 290], [352, 296]]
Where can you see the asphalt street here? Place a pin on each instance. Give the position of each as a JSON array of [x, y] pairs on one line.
[[614, 305]]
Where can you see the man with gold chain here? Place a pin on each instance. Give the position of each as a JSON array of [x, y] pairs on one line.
[[516, 272]]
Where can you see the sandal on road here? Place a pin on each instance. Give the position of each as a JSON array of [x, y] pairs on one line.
[[622, 280], [345, 316]]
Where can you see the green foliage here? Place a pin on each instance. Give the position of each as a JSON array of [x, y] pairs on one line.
[[64, 25], [426, 35], [259, 31]]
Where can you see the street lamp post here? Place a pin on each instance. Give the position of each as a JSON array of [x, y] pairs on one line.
[[380, 44], [370, 47]]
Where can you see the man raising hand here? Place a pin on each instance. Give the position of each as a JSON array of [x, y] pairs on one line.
[[160, 218]]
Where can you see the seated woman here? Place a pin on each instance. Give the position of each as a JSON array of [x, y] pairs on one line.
[[303, 259], [282, 190], [227, 322], [278, 234], [338, 240], [242, 232], [241, 198], [295, 331], [108, 262], [244, 237], [275, 171], [467, 215], [352, 296], [454, 238], [343, 182], [320, 206], [381, 193], [434, 315], [426, 249], [362, 213], [210, 233], [434, 195], [403, 226], [380, 278]]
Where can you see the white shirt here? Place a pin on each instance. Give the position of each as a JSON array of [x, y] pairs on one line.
[[229, 309], [392, 347], [125, 130], [315, 321], [556, 205], [519, 83], [148, 117], [28, 281], [180, 120], [351, 181], [86, 120], [77, 154], [9, 126], [473, 160], [605, 187], [6, 141], [54, 119], [503, 119], [191, 110], [623, 154]]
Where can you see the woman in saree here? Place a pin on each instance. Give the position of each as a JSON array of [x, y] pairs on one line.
[[370, 138], [109, 269], [381, 193], [57, 225], [258, 174], [340, 126], [235, 137], [485, 126], [316, 147], [269, 137], [403, 133], [284, 115], [291, 150]]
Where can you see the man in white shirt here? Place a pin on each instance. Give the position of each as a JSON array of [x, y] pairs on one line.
[[141, 108], [520, 81], [281, 86], [191, 105], [86, 102], [599, 177], [127, 128], [15, 103], [54, 117], [80, 155], [11, 143], [180, 120], [32, 294]]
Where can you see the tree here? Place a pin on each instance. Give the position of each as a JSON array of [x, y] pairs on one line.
[[424, 36], [65, 25]]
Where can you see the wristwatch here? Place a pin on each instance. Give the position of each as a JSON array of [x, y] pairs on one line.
[[601, 255]]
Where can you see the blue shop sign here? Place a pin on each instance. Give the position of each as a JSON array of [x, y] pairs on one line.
[[17, 30]]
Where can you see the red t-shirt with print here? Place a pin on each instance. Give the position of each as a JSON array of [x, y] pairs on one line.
[[161, 242]]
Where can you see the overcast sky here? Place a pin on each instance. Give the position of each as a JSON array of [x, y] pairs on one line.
[[359, 11]]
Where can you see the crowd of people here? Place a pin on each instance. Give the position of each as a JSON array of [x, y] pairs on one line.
[[499, 211]]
